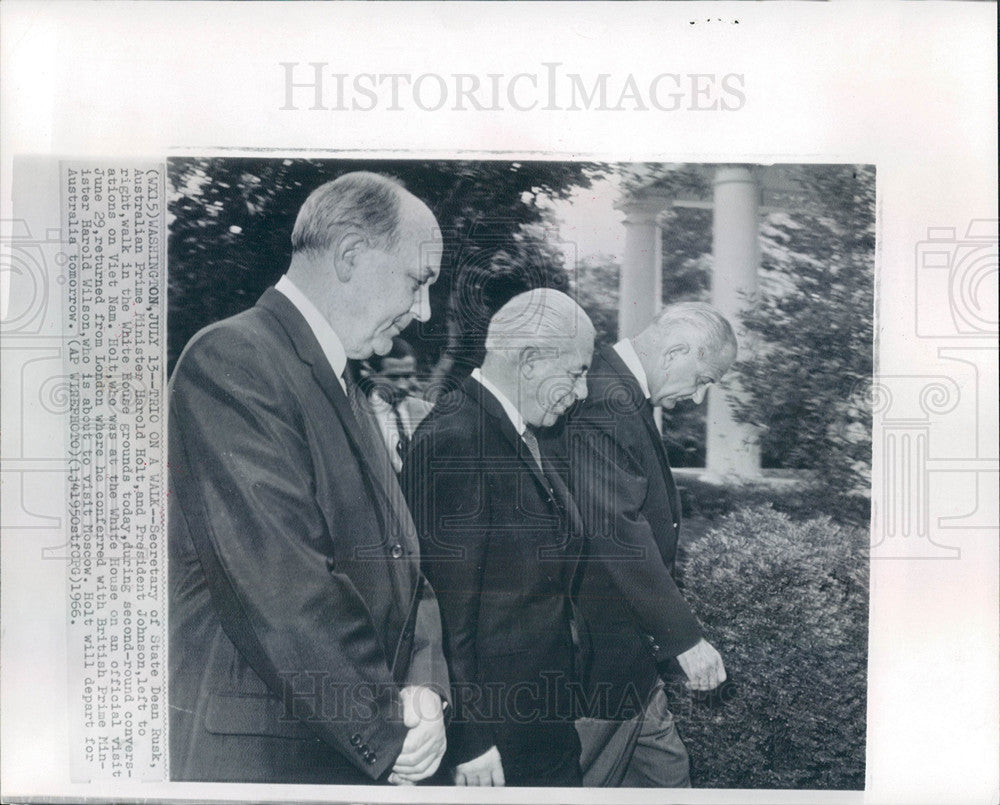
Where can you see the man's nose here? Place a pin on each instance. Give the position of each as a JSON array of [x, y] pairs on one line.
[[580, 388], [421, 307], [699, 395]]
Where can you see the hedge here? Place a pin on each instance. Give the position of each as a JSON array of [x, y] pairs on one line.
[[785, 602], [803, 499]]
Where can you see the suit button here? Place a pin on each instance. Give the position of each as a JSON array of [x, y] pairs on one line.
[[650, 639], [356, 739], [370, 758], [676, 526], [396, 552], [655, 647]]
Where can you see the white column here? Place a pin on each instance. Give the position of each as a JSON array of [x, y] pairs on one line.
[[732, 448], [641, 281]]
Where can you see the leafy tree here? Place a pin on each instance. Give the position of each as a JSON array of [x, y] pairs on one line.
[[596, 286], [687, 254], [492, 268], [676, 178], [231, 222], [687, 271], [814, 319]]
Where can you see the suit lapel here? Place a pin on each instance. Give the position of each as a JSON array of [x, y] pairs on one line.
[[309, 351], [550, 484], [572, 546], [625, 376], [491, 406], [668, 476], [655, 437]]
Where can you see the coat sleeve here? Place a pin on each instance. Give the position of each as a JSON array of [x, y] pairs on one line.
[[428, 666], [241, 468], [610, 488], [447, 503]]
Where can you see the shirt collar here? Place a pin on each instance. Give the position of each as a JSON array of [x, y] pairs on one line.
[[328, 339], [509, 408], [626, 351], [379, 404]]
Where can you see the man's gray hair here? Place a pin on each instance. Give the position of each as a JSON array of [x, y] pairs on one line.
[[361, 201], [717, 332], [543, 318]]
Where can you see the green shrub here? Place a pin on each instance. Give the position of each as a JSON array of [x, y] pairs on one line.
[[803, 500], [786, 604]]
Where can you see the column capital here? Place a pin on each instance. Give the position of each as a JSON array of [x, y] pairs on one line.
[[734, 172], [644, 206]]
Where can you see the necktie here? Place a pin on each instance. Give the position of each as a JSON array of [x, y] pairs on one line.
[[398, 523], [404, 440], [532, 441], [559, 497], [372, 437]]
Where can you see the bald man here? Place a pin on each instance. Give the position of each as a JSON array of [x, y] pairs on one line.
[[501, 538]]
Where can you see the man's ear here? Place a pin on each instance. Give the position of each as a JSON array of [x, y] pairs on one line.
[[674, 352], [527, 358], [346, 252]]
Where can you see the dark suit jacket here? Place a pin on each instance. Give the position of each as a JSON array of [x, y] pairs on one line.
[[617, 471], [500, 543], [292, 568]]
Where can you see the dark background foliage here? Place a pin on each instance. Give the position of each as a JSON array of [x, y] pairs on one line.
[[814, 317], [812, 320], [232, 221]]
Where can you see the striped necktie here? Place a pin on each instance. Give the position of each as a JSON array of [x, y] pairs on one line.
[[372, 436], [532, 441], [404, 440]]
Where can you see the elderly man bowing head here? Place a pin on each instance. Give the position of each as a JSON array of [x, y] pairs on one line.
[[638, 620], [500, 541]]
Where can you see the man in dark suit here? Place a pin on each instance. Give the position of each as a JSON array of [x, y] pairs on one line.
[[618, 473], [500, 540], [304, 641]]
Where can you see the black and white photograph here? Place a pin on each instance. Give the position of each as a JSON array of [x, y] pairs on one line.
[[499, 402], [490, 473]]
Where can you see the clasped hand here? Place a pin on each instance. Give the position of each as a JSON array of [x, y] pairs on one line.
[[703, 666], [485, 770], [425, 742]]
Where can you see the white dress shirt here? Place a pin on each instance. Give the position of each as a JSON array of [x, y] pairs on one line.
[[509, 408], [329, 341], [626, 351], [385, 415]]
